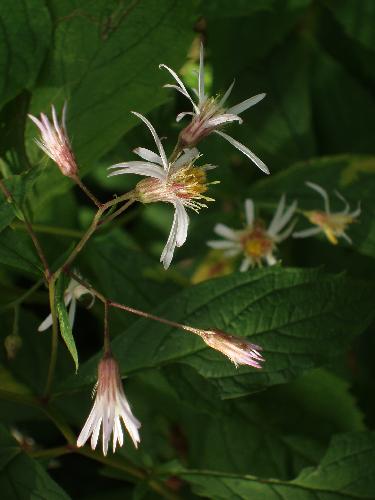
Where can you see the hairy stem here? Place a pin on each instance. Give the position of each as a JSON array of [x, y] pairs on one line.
[[87, 192]]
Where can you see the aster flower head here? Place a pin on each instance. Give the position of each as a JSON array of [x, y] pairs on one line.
[[210, 114], [256, 242], [179, 182], [73, 293], [332, 224], [238, 349], [110, 410], [55, 141]]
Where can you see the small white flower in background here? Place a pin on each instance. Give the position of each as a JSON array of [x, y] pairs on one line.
[[74, 292], [255, 241], [179, 182], [238, 349], [210, 114], [332, 224], [110, 407], [55, 141]]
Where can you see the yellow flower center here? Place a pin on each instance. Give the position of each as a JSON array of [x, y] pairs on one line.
[[189, 182], [333, 225], [257, 244]]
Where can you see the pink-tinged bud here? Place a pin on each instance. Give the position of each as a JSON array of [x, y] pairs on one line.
[[55, 142], [110, 409], [238, 349]]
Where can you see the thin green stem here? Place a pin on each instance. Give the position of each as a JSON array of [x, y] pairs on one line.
[[51, 452], [117, 212], [54, 338], [23, 297], [46, 229], [87, 192]]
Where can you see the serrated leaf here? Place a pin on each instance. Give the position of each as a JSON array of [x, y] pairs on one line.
[[353, 176], [21, 477], [301, 318], [21, 56], [347, 471], [63, 316]]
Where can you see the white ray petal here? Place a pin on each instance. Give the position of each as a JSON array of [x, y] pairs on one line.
[[270, 259], [226, 95], [242, 106], [72, 311], [182, 115], [249, 212], [245, 264], [139, 168], [148, 155], [180, 83], [356, 212], [305, 233], [322, 192], [182, 223], [47, 323], [346, 204], [246, 151], [347, 238], [285, 234], [158, 143], [223, 244], [225, 232], [167, 254], [187, 157], [220, 120], [272, 229]]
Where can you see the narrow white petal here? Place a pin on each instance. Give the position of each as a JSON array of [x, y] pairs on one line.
[[322, 192], [270, 259], [272, 229], [158, 143], [246, 263], [180, 83], [232, 252], [223, 245], [148, 155], [226, 95], [347, 238], [305, 233], [182, 224], [96, 431], [242, 106], [249, 211], [47, 323], [246, 151], [225, 232], [91, 422], [220, 120], [187, 157], [285, 234], [72, 311], [147, 169], [167, 254], [356, 212], [201, 75], [346, 204], [38, 123], [63, 118], [182, 115], [283, 219]]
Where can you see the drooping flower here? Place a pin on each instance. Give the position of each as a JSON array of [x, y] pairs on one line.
[[210, 114], [179, 182], [256, 242], [238, 349], [55, 141], [73, 293], [110, 410], [332, 224]]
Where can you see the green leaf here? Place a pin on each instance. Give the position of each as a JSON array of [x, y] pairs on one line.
[[301, 318], [347, 471], [24, 39], [19, 186], [21, 477], [17, 250], [353, 176], [120, 48], [62, 313]]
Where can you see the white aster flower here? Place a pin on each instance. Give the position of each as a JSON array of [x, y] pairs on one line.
[[110, 410], [238, 349], [55, 142], [73, 293], [255, 241], [210, 114], [179, 182], [332, 224]]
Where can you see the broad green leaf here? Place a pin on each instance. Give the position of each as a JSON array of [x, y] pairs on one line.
[[17, 250], [19, 186], [62, 313], [23, 478], [9, 384], [352, 176], [116, 68], [301, 318], [347, 471], [24, 40]]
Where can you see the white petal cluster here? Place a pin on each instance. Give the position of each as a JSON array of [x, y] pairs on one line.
[[210, 114], [179, 183], [332, 224], [73, 293], [55, 141], [110, 410], [254, 241]]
